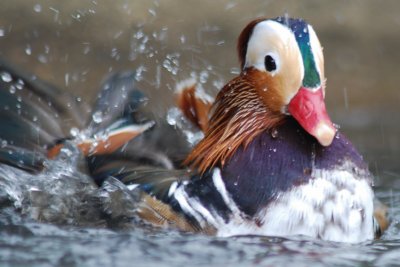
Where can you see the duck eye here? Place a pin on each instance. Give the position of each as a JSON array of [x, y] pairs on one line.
[[270, 64]]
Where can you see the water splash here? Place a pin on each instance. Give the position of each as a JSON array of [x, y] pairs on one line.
[[171, 63], [28, 50], [37, 8], [176, 118], [97, 117]]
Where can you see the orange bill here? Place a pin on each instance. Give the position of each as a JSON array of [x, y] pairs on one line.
[[308, 108]]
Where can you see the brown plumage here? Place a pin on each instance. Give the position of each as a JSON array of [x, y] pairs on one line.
[[160, 214], [194, 108], [238, 115]]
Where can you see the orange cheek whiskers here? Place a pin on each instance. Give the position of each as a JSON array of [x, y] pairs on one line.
[[238, 116]]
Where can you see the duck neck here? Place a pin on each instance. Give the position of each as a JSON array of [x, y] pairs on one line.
[[238, 116]]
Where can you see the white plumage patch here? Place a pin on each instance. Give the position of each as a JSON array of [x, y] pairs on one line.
[[272, 38], [335, 206]]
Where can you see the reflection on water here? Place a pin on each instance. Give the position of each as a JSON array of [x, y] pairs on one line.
[[75, 44]]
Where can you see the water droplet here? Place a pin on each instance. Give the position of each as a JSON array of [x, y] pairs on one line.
[[139, 73], [274, 133], [12, 89], [34, 118], [203, 76], [6, 77], [97, 117], [235, 71], [37, 8], [42, 59], [274, 149], [3, 143], [183, 39], [20, 84], [152, 12], [66, 78], [139, 34], [172, 116], [74, 131], [28, 50], [114, 53], [171, 63], [86, 49]]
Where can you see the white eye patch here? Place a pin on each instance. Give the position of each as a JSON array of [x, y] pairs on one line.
[[269, 38]]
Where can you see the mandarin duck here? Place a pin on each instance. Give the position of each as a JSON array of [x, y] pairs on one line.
[[271, 162]]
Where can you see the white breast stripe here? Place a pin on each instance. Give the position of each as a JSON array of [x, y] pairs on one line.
[[196, 205], [172, 188], [181, 196], [220, 186]]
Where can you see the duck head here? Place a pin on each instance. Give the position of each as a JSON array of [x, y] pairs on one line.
[[282, 75], [286, 57]]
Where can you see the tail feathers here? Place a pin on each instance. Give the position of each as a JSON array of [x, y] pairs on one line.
[[33, 120], [115, 117], [35, 116]]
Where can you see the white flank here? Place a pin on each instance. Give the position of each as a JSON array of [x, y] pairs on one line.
[[335, 206]]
